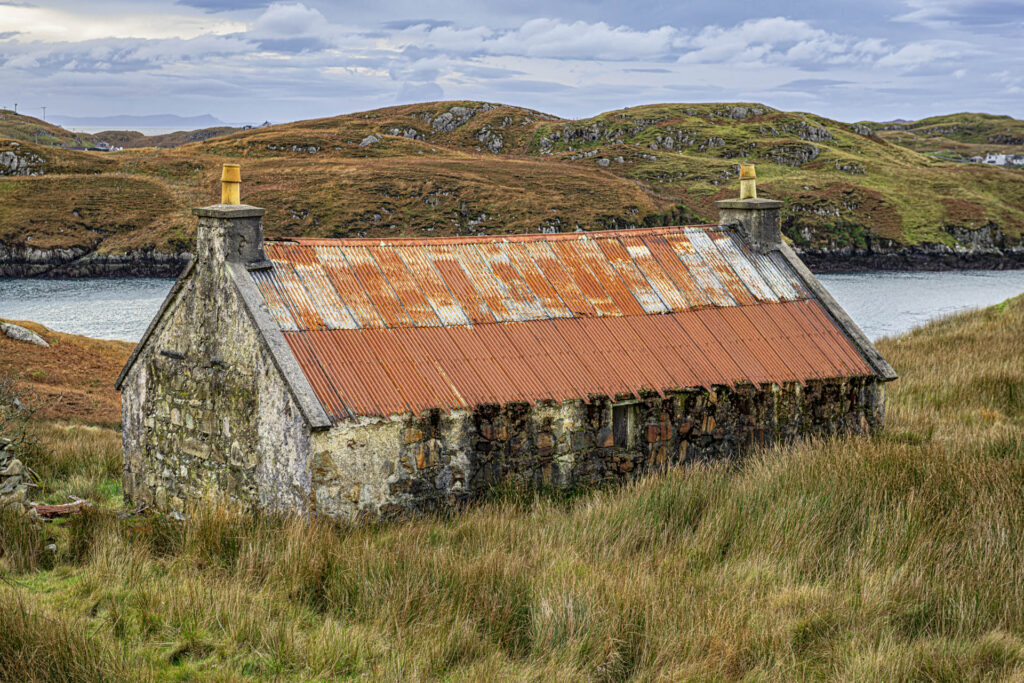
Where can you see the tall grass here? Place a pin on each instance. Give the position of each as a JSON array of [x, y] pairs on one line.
[[40, 648], [896, 557]]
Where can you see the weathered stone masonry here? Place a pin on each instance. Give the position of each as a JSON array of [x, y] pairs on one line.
[[205, 412], [441, 459]]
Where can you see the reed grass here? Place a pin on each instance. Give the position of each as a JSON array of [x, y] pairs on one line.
[[894, 557]]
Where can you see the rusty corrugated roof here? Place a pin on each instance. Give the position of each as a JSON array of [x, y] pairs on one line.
[[384, 327]]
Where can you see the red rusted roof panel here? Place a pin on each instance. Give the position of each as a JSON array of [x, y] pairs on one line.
[[388, 372]]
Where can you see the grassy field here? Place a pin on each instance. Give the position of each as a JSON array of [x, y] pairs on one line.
[[895, 557], [422, 170]]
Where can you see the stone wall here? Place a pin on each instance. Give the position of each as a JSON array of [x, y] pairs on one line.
[[391, 468], [206, 415]]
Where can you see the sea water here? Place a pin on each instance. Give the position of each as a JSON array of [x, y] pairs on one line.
[[883, 303]]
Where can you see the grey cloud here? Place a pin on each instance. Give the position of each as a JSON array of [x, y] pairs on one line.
[[516, 85], [223, 5], [988, 14], [292, 45], [406, 23], [813, 83], [488, 72], [419, 92]]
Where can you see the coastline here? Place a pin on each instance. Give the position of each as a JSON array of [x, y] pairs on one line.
[[76, 262], [931, 257], [27, 262]]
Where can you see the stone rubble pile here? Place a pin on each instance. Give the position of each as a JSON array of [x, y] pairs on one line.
[[15, 480]]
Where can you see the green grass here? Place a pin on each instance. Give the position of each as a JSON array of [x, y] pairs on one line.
[[896, 557]]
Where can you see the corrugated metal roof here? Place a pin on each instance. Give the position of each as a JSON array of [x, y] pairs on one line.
[[384, 327], [392, 371]]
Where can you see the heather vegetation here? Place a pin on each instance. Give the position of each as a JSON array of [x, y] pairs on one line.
[[894, 557], [446, 168]]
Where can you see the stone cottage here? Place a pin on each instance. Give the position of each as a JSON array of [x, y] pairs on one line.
[[372, 377]]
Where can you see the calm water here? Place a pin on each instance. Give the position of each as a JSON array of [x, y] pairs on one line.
[[883, 303]]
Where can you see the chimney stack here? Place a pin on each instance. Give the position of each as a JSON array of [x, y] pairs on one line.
[[759, 220], [230, 231]]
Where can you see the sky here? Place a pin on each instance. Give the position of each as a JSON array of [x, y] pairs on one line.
[[245, 61]]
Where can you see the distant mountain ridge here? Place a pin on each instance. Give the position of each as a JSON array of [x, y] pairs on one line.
[[144, 121]]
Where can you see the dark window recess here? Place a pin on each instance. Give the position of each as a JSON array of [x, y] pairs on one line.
[[620, 425]]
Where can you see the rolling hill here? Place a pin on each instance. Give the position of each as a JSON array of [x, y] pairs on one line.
[[956, 136], [853, 198]]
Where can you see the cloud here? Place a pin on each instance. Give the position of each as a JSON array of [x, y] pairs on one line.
[[938, 14], [117, 55], [223, 5], [812, 83], [289, 20], [303, 58], [776, 40], [580, 40], [419, 92], [926, 53], [548, 38]]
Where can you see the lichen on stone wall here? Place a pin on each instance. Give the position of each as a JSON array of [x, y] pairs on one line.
[[439, 460], [206, 414]]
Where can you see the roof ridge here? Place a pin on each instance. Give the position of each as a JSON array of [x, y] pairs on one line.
[[473, 239]]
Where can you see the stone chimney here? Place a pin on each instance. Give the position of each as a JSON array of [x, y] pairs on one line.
[[758, 220], [230, 232]]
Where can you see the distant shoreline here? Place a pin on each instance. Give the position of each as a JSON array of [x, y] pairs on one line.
[[74, 263]]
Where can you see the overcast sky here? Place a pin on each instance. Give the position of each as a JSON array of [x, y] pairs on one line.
[[246, 60]]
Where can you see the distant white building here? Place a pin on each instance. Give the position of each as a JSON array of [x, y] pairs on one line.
[[1003, 159]]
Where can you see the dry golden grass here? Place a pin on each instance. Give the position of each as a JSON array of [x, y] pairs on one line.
[[897, 557], [74, 377]]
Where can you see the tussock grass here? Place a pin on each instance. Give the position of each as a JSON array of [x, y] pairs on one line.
[[897, 557], [40, 648]]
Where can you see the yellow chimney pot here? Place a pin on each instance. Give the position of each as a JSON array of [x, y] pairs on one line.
[[748, 182], [230, 184]]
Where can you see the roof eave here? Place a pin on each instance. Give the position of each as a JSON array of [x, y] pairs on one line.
[[871, 355]]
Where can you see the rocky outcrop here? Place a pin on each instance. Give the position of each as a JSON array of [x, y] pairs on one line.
[[15, 161], [792, 154], [985, 248], [453, 118], [410, 133], [491, 139], [305, 149], [27, 261], [1002, 139]]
